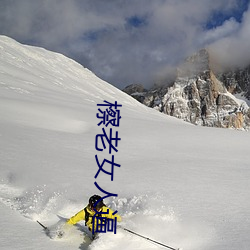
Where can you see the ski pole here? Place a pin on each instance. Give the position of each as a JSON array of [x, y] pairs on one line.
[[45, 228], [159, 243]]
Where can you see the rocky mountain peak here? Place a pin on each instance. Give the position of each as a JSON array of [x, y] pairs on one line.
[[197, 64], [200, 96]]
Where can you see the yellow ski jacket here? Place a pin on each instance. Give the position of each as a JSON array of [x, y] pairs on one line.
[[88, 215]]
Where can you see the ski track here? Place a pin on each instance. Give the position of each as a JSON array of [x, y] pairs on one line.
[[144, 214]]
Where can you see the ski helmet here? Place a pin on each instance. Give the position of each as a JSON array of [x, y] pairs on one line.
[[92, 202]]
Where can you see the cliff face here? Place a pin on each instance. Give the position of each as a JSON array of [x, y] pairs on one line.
[[237, 81], [201, 97]]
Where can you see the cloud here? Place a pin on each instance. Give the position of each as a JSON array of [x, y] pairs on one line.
[[121, 41], [232, 50], [228, 28]]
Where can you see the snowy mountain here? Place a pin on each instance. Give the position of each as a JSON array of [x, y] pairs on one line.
[[183, 185], [201, 96], [237, 81]]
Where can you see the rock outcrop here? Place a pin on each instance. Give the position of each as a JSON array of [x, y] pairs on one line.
[[201, 97]]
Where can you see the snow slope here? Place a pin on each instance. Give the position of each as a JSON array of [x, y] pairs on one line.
[[179, 184]]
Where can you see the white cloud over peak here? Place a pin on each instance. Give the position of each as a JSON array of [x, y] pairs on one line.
[[233, 49]]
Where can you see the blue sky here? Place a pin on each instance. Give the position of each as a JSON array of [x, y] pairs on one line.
[[131, 41], [218, 17]]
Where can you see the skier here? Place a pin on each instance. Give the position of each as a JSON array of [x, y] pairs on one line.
[[87, 214]]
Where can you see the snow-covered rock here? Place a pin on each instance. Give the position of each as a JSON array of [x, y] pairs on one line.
[[199, 97]]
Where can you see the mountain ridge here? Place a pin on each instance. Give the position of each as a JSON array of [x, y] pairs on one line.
[[200, 95]]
